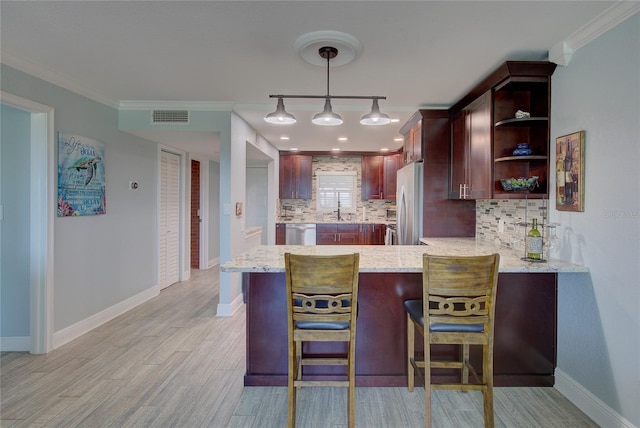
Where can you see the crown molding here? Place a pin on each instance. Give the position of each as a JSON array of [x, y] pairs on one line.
[[56, 79], [177, 105], [562, 52]]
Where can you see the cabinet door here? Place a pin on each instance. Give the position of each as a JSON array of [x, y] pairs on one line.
[[417, 141], [372, 177], [391, 165], [280, 233], [480, 160], [304, 167], [459, 155], [471, 160], [287, 182], [295, 176]]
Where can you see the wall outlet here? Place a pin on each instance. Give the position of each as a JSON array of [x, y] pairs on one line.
[[501, 226], [298, 210]]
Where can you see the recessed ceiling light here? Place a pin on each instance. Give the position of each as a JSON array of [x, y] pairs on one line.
[[335, 149], [384, 149], [284, 137], [342, 138], [398, 139], [294, 149], [395, 120]]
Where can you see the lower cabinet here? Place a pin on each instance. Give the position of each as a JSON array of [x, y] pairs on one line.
[[337, 234], [280, 233], [350, 234]]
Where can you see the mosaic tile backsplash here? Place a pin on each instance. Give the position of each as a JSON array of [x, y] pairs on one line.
[[374, 210], [514, 213]]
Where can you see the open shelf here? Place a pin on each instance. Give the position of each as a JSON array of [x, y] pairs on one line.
[[520, 158], [525, 121]]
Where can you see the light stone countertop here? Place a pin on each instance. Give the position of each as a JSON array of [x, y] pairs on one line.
[[394, 258]]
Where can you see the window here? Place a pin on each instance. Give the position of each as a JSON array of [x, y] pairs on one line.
[[333, 186]]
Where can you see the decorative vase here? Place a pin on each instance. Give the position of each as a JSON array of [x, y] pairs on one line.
[[522, 149]]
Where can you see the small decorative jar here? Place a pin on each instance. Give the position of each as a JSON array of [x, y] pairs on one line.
[[522, 149]]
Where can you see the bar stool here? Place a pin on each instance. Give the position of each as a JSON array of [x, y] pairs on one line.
[[458, 306], [322, 304]]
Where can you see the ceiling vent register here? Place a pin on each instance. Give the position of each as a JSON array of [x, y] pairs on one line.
[[171, 116]]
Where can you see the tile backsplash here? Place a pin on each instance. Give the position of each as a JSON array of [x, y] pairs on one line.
[[514, 213], [373, 210]]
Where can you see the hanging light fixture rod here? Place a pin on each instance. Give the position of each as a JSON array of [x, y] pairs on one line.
[[334, 97]]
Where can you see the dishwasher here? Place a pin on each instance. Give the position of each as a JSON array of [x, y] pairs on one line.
[[300, 234]]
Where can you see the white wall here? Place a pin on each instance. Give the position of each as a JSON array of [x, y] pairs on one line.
[[599, 327]]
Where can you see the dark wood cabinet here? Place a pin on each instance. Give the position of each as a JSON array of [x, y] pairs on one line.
[[379, 176], [281, 233], [372, 234], [412, 148], [471, 151], [295, 176], [485, 131], [337, 234], [442, 216]]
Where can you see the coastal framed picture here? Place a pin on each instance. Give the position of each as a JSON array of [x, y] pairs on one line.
[[570, 172], [81, 178]]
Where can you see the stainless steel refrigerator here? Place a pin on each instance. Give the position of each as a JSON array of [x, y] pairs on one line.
[[409, 204]]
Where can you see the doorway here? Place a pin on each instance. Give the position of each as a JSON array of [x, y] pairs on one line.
[[41, 215]]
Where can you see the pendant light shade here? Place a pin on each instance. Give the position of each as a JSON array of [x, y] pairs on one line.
[[375, 117], [327, 117], [280, 116]]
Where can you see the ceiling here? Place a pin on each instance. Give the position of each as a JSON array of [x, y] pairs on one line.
[[419, 54]]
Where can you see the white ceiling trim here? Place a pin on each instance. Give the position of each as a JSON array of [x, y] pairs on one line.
[[177, 105], [562, 51], [55, 78]]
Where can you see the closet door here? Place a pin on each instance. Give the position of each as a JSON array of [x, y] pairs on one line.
[[169, 219]]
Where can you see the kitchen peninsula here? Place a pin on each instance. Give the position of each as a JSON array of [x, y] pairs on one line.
[[525, 336]]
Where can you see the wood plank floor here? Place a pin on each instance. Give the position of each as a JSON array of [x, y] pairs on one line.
[[172, 363]]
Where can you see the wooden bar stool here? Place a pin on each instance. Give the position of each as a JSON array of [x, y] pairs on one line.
[[322, 304], [458, 306]]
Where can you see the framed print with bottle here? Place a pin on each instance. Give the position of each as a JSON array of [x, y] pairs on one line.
[[570, 172]]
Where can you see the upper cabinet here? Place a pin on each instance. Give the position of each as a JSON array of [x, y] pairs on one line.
[[471, 151], [379, 176], [295, 176], [508, 108], [412, 142], [529, 96]]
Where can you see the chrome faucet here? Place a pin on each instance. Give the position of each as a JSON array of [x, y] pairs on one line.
[[339, 217]]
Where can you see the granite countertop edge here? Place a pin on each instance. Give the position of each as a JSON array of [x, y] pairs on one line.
[[396, 258]]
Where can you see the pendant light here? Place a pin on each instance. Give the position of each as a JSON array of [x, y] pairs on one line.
[[327, 117], [280, 116], [375, 117]]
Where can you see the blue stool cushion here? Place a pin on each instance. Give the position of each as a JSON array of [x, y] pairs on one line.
[[415, 311]]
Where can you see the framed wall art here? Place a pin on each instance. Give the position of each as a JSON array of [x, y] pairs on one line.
[[570, 172], [81, 180]]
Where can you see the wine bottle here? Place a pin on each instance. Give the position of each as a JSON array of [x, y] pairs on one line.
[[534, 242]]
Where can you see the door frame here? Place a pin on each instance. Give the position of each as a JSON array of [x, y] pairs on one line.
[[184, 272], [41, 220]]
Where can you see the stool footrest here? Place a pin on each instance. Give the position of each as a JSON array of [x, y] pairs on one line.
[[342, 383], [324, 362]]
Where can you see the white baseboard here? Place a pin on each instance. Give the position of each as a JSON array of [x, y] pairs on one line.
[[228, 309], [588, 403], [214, 262], [15, 344], [76, 330]]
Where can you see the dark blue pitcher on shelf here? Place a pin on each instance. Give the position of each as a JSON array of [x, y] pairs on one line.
[[522, 149]]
